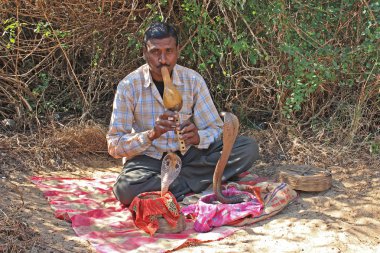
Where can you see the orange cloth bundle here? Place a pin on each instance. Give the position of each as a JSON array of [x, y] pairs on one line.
[[147, 207]]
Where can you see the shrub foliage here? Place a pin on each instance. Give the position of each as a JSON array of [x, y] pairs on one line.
[[312, 64]]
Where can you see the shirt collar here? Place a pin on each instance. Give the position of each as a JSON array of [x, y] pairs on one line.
[[148, 77]]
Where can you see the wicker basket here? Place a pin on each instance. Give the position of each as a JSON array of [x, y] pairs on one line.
[[305, 178]]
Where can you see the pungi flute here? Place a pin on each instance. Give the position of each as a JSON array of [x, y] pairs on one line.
[[172, 101]]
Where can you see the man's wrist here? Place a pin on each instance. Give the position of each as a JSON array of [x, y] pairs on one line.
[[199, 139], [151, 135]]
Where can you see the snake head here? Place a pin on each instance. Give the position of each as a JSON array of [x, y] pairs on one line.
[[231, 123], [170, 169]]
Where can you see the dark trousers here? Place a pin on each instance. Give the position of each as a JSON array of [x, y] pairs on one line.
[[142, 173]]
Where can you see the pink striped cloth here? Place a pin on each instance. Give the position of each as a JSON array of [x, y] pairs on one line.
[[210, 214], [271, 198]]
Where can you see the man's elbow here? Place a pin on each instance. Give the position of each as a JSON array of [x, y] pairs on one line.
[[112, 150]]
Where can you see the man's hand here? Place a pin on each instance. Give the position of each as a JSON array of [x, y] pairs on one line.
[[164, 123], [189, 133]]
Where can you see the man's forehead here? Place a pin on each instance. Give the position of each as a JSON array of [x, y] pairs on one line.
[[168, 42]]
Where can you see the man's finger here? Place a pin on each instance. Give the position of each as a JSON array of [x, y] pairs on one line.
[[188, 135], [189, 128], [169, 115], [166, 123], [185, 124]]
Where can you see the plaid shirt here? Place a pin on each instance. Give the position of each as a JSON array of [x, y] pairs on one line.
[[138, 104]]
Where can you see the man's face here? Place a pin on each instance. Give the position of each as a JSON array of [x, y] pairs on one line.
[[161, 52]]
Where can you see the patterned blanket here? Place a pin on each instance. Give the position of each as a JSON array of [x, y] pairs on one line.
[[96, 216]]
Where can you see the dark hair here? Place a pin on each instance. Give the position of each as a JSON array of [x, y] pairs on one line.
[[160, 30]]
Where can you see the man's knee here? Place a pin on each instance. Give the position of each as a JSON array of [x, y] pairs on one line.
[[132, 183], [124, 192], [250, 148]]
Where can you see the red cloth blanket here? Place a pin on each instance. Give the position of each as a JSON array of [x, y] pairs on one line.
[[96, 216]]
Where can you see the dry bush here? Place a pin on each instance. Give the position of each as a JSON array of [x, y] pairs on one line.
[[51, 148], [60, 61], [66, 58], [281, 144], [79, 139]]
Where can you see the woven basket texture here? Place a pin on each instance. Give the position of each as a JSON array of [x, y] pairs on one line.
[[305, 178]]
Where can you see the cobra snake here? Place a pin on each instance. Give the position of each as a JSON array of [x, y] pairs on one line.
[[230, 132]]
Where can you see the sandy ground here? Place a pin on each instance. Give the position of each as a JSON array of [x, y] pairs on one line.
[[345, 218], [342, 219]]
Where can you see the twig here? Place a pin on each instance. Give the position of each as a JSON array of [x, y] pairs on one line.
[[279, 143], [4, 213], [369, 10], [189, 39], [68, 62], [319, 112], [253, 34], [171, 3]]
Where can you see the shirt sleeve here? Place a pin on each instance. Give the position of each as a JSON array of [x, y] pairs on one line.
[[206, 116], [120, 139]]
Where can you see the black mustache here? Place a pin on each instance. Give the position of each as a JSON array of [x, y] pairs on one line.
[[162, 65]]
